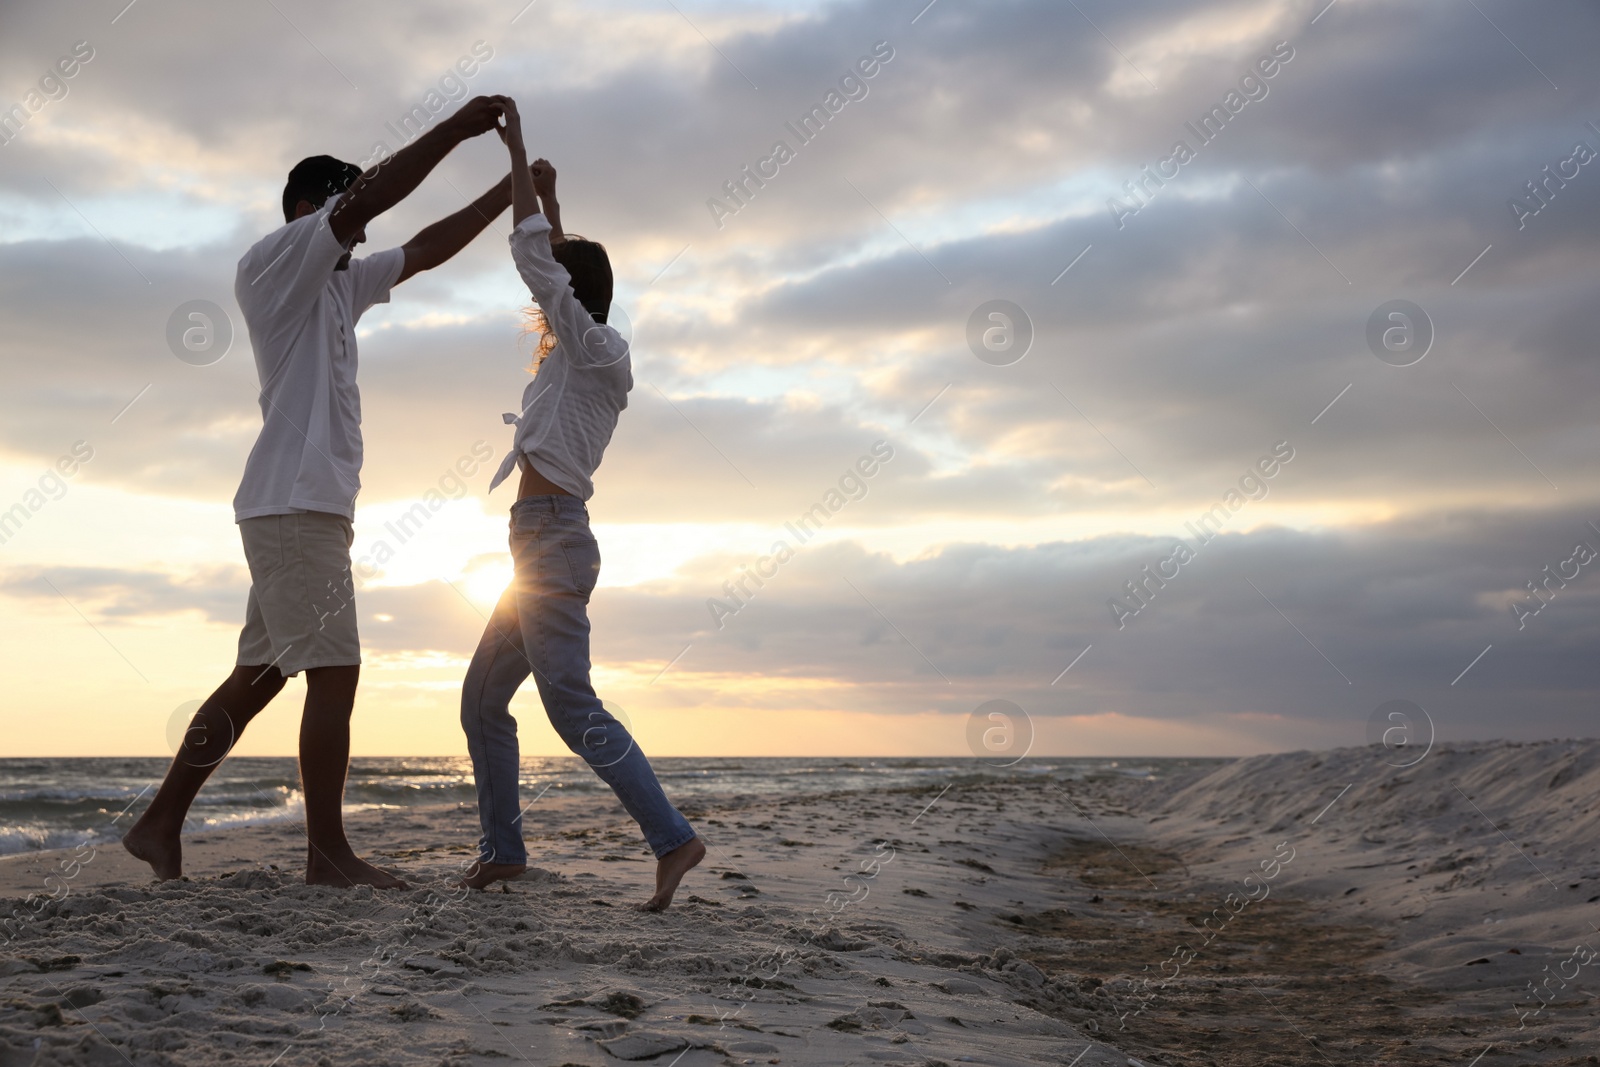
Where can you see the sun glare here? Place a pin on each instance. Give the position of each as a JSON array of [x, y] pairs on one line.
[[485, 581]]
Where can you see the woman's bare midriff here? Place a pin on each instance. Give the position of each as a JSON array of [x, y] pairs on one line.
[[535, 484]]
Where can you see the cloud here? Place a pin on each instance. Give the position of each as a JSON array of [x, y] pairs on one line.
[[127, 596], [1304, 628], [1337, 623], [1221, 317]]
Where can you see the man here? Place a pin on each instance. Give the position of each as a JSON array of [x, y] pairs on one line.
[[302, 294]]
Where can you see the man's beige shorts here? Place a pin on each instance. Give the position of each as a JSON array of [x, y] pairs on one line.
[[302, 610]]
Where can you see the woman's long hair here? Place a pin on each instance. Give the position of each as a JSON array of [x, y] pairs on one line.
[[590, 269]]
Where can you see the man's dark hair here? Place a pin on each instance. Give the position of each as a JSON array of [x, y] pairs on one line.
[[314, 179], [586, 261]]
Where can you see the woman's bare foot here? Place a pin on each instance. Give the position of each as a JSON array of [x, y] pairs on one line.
[[481, 874], [670, 870], [162, 851], [349, 871]]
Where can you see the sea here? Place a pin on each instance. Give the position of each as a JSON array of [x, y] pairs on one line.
[[63, 802]]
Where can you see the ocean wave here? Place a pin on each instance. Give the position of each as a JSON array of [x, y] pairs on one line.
[[36, 837], [67, 795], [293, 809]]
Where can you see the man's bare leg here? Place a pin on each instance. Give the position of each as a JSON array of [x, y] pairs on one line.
[[670, 870], [324, 760], [211, 735]]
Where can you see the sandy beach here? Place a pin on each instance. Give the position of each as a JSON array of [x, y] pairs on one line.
[[1290, 909]]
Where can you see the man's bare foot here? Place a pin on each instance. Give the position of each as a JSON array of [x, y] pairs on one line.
[[349, 871], [670, 870], [163, 852], [481, 874]]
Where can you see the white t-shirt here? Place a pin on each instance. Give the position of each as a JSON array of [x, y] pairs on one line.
[[570, 408], [302, 316]]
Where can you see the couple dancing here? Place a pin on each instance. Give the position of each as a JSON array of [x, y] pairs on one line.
[[302, 295]]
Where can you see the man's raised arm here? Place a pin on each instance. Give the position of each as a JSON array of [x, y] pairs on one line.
[[437, 243], [391, 181]]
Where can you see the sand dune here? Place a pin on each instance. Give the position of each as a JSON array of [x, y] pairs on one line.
[[1288, 909]]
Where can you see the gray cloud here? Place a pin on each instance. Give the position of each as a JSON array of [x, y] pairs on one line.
[[119, 594], [1395, 610], [1399, 609], [1220, 319]]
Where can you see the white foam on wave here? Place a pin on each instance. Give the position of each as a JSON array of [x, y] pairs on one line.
[[33, 837], [294, 808], [37, 837]]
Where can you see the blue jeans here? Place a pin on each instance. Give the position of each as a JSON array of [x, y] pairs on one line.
[[541, 625]]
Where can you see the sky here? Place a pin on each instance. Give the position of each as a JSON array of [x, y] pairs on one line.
[[1313, 270]]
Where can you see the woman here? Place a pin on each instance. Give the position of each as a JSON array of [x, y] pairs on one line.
[[569, 410]]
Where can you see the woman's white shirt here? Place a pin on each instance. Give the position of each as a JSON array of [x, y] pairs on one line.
[[570, 408]]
